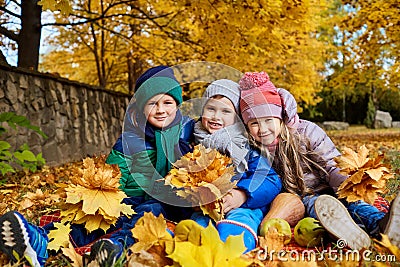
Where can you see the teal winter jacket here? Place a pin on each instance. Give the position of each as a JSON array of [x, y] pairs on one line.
[[136, 152]]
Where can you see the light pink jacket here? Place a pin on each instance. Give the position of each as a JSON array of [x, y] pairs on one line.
[[319, 142]]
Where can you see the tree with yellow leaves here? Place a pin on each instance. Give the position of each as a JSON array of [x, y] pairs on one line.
[[279, 37], [367, 44]]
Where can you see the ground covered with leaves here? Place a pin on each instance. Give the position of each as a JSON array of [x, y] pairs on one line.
[[39, 193]]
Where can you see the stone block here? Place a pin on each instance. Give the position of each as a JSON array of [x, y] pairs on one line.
[[335, 125], [382, 120], [396, 124]]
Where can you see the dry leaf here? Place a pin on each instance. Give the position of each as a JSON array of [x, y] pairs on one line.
[[214, 209], [272, 240], [212, 252], [367, 177], [59, 237], [76, 259], [94, 198], [150, 231], [385, 242], [143, 259], [203, 177]]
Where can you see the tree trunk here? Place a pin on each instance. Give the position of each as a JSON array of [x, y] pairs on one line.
[[134, 71], [3, 59], [29, 37]]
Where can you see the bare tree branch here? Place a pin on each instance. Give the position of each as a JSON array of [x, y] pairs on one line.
[[2, 8], [16, 2], [9, 34]]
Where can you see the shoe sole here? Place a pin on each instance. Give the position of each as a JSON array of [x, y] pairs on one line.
[[392, 229], [14, 239], [104, 254], [335, 218]]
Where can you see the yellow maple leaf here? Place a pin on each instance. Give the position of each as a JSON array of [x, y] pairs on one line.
[[212, 252], [188, 230], [202, 177], [351, 161], [59, 237], [150, 231], [272, 240], [94, 198], [154, 257], [93, 222], [214, 210], [97, 174], [367, 177]]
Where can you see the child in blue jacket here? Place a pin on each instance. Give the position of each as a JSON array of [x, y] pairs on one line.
[[258, 184], [154, 135]]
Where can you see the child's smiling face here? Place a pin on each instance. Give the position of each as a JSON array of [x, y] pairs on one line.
[[160, 110], [218, 113], [265, 129]]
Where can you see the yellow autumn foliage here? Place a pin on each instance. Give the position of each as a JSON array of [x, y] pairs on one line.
[[203, 177], [367, 176], [279, 37], [192, 245], [150, 231], [59, 237], [93, 198], [211, 252]]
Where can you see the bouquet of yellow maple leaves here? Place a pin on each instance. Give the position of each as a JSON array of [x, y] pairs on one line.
[[367, 176], [203, 177], [94, 198]]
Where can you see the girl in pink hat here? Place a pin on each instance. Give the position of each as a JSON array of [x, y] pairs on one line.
[[303, 156]]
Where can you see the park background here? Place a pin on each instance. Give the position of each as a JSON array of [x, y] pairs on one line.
[[338, 58]]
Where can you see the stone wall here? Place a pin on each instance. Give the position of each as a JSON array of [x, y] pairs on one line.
[[78, 119]]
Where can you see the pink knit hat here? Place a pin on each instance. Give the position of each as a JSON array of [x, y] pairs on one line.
[[259, 97]]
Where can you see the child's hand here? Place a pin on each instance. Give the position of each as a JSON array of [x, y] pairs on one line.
[[233, 200]]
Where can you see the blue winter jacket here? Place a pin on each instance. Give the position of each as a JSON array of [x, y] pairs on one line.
[[260, 182]]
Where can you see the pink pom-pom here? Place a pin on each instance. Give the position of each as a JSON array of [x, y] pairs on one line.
[[253, 79]]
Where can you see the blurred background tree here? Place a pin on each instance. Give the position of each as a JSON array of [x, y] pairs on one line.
[[334, 56], [21, 28], [364, 66]]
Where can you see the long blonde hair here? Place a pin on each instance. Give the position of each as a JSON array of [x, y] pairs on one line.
[[291, 159]]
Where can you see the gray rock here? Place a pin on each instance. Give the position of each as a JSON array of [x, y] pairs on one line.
[[382, 120], [395, 124], [335, 125]]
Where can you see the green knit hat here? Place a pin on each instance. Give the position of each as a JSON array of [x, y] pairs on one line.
[[155, 86]]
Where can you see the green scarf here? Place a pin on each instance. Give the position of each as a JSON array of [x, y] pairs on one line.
[[166, 140]]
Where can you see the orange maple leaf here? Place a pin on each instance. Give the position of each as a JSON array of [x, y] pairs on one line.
[[76, 259], [94, 198], [367, 177], [150, 231], [203, 177]]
